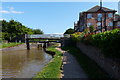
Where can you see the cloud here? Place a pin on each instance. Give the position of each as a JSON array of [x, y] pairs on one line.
[[4, 11], [11, 10], [17, 12], [2, 19]]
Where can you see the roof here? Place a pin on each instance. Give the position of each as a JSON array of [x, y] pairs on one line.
[[96, 8]]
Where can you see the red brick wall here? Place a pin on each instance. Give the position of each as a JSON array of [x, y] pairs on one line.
[[94, 20]]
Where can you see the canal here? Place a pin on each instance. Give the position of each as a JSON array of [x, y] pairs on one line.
[[18, 62]]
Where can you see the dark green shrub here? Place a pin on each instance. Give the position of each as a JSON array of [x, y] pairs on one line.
[[108, 41]]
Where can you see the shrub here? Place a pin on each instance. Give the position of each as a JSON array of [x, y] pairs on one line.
[[91, 29], [77, 36], [108, 41]]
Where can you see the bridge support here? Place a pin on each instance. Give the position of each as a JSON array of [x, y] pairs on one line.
[[27, 43], [44, 45], [39, 45]]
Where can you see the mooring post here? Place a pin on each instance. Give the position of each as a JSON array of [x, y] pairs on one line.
[[44, 45], [27, 43]]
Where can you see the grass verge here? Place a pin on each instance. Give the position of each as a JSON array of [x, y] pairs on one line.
[[5, 45], [52, 69], [93, 71]]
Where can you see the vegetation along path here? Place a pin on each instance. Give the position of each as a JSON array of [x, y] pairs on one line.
[[71, 68]]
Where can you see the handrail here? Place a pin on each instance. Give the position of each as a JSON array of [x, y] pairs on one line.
[[50, 36]]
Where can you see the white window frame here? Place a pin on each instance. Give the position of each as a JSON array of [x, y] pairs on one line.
[[118, 23], [99, 24], [110, 15], [99, 15], [89, 16], [109, 24]]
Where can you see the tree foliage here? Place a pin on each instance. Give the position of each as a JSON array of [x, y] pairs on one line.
[[69, 31], [91, 29], [37, 31], [108, 41], [14, 28], [77, 36]]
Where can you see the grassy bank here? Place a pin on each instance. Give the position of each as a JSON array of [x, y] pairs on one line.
[[52, 69], [93, 71], [5, 45]]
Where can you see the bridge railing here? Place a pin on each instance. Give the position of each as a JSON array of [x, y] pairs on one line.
[[51, 36]]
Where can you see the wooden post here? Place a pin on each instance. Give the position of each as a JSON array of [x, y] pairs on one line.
[[27, 43], [44, 45], [38, 45]]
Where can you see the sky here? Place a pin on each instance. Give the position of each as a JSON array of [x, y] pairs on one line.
[[50, 17]]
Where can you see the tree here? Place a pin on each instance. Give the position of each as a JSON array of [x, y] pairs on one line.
[[37, 31], [69, 31], [91, 29], [13, 29]]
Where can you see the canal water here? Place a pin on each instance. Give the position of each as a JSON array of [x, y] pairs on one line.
[[18, 62]]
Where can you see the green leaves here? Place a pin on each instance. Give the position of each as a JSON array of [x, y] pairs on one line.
[[52, 69], [37, 31], [91, 28], [15, 28], [108, 41], [77, 36], [69, 31]]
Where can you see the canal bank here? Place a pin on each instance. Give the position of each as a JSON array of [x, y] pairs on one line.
[[52, 69], [8, 45]]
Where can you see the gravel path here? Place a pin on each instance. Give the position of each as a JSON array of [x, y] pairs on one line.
[[71, 68]]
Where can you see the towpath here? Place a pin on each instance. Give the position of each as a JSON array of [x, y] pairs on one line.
[[71, 68]]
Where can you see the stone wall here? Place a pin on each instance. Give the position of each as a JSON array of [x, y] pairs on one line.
[[66, 42], [111, 66]]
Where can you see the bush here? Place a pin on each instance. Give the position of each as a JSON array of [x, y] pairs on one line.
[[91, 29], [108, 41], [77, 36], [87, 39]]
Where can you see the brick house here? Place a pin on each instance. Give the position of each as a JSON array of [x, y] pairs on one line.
[[117, 21], [94, 17]]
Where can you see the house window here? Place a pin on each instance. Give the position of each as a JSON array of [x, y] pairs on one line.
[[89, 24], [99, 24], [118, 24], [110, 15], [99, 17], [89, 15], [110, 24]]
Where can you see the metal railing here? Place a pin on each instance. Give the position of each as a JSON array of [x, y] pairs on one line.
[[49, 36]]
